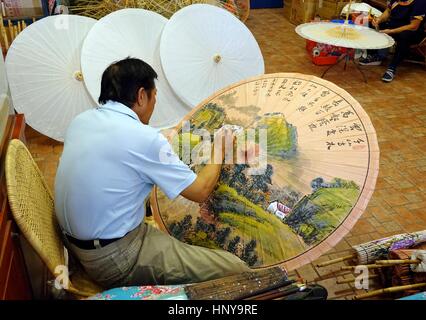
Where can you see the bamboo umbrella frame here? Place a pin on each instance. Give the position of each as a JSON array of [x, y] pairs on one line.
[[100, 8], [367, 253], [9, 32]]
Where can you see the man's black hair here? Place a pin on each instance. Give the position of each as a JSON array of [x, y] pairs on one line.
[[122, 80]]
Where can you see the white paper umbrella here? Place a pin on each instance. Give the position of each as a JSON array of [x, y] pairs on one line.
[[205, 48], [344, 35], [43, 68], [131, 33], [361, 7]]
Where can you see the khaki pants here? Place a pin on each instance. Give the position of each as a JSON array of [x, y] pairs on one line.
[[147, 256]]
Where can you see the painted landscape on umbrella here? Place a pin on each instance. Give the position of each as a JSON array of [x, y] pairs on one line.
[[279, 213]]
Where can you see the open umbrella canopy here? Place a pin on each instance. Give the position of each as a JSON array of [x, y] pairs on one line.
[[344, 35], [311, 167], [204, 49], [131, 33], [43, 68], [361, 7]]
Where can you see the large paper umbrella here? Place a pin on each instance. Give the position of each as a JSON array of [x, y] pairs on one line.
[[204, 49], [344, 35], [315, 169], [131, 33], [43, 68]]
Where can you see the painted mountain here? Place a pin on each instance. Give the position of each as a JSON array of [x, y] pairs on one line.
[[316, 215]]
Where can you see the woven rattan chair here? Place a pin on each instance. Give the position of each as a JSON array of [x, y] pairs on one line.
[[420, 50], [32, 207]]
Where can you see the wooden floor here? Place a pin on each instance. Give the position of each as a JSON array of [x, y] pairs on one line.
[[398, 112]]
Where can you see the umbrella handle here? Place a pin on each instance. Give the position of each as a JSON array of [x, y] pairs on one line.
[[396, 262], [352, 280], [368, 266], [349, 10], [327, 263], [389, 290]]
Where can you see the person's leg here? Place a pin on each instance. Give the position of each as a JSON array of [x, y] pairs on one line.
[[110, 266], [375, 57], [403, 40], [382, 53], [164, 260]]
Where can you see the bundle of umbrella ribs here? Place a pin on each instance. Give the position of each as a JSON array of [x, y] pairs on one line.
[[266, 284], [398, 262]]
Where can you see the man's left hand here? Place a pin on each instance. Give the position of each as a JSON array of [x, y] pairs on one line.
[[387, 31]]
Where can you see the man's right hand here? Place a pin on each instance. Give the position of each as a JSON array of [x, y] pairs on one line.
[[227, 142], [208, 177]]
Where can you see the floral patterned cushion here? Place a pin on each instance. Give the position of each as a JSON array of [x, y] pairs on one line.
[[143, 293]]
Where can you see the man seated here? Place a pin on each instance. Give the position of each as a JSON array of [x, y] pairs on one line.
[[111, 160], [405, 22]]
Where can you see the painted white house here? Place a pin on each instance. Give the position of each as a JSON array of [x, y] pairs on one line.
[[279, 209]]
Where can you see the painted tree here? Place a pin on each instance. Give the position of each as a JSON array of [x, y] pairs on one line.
[[249, 254], [180, 229], [317, 183], [222, 235], [233, 244], [208, 228]]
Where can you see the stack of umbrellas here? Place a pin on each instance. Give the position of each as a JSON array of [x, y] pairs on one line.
[[389, 254], [55, 65], [403, 273]]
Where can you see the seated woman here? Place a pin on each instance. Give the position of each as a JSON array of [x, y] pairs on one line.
[[405, 22]]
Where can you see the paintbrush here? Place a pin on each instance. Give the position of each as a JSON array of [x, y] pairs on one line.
[[281, 294], [395, 262], [273, 294], [389, 290], [268, 291]]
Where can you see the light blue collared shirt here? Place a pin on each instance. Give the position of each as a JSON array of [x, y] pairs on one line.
[[110, 163]]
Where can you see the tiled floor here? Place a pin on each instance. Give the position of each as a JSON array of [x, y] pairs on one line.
[[398, 112]]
